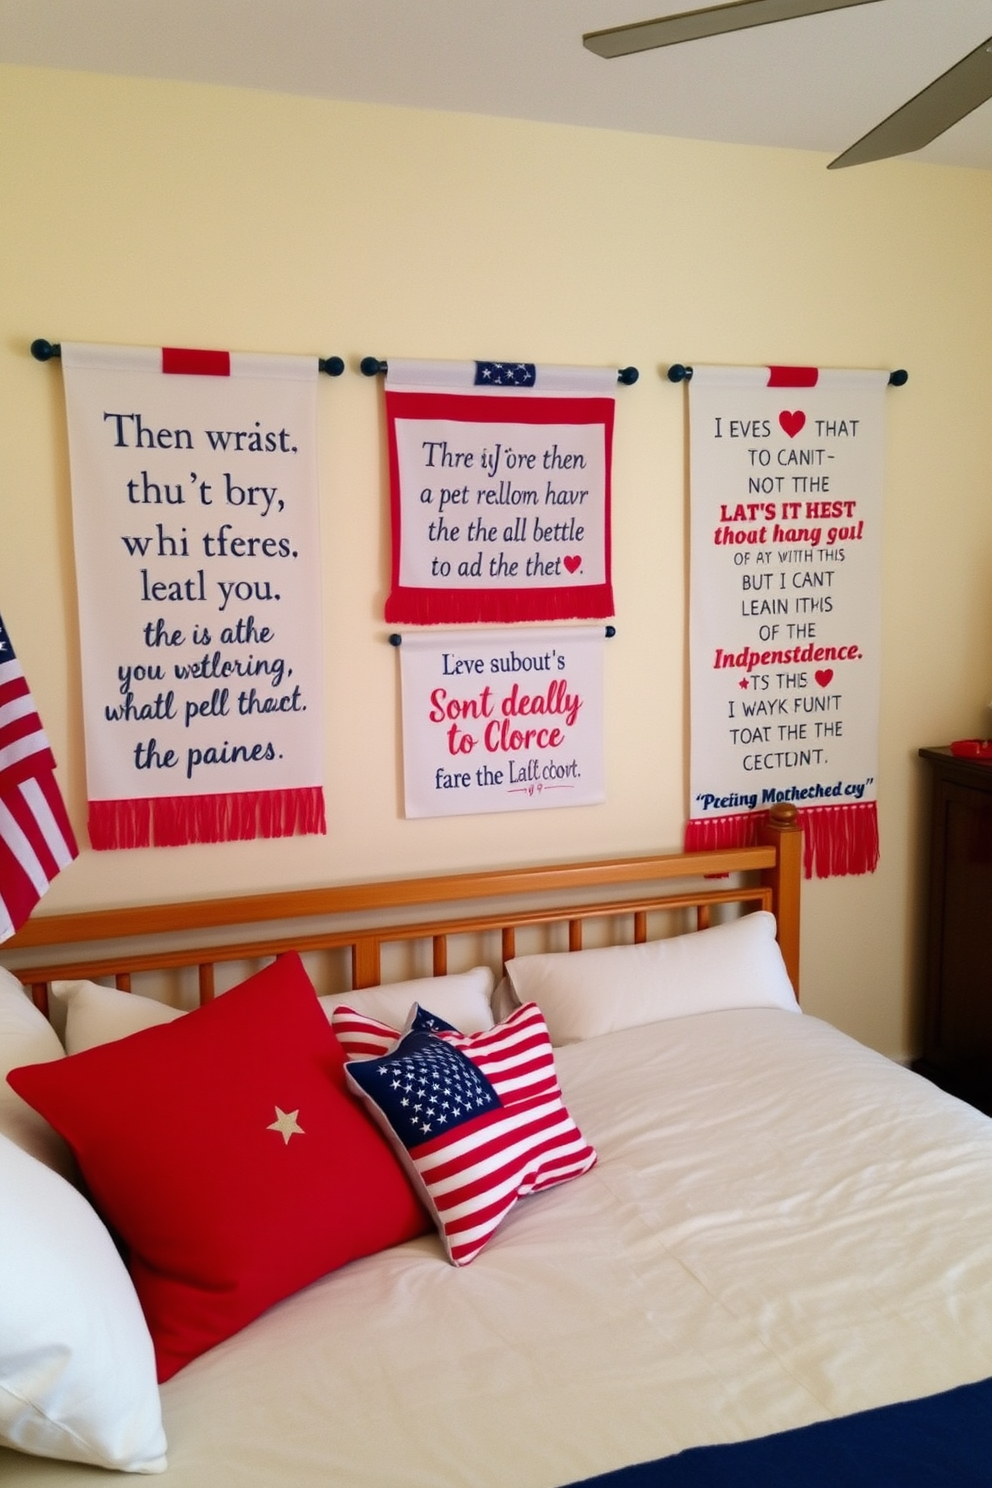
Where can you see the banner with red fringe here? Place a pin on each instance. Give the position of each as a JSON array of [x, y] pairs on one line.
[[786, 470], [194, 494], [499, 478]]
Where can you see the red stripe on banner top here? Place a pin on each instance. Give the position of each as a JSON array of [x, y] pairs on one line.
[[793, 376], [183, 359]]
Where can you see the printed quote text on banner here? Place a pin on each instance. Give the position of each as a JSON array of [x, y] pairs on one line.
[[786, 472]]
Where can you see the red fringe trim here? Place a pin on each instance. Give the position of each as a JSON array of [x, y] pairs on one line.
[[497, 606], [174, 821], [710, 833], [838, 840]]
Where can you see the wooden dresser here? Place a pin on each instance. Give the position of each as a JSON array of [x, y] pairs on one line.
[[957, 1050]]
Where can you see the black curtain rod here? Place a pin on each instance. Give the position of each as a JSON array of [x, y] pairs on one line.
[[372, 366], [679, 373], [395, 639], [43, 351]]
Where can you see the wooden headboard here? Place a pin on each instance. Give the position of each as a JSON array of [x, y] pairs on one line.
[[115, 943]]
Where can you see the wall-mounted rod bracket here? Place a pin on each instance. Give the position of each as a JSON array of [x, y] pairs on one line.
[[43, 351], [395, 638], [679, 373], [371, 366]]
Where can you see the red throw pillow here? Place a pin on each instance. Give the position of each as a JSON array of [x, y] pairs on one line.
[[226, 1151]]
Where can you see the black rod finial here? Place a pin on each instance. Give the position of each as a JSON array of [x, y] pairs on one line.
[[899, 378], [333, 366], [395, 639], [43, 351], [611, 631], [678, 373], [371, 366], [628, 376]]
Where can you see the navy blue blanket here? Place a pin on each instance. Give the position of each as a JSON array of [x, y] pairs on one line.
[[940, 1440]]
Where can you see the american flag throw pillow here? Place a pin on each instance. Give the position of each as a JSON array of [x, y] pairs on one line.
[[362, 1037], [478, 1118]]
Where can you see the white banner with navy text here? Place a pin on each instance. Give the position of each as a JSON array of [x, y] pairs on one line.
[[194, 494], [502, 720], [786, 467]]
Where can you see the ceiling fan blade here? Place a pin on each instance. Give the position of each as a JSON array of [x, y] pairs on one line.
[[949, 98], [642, 36]]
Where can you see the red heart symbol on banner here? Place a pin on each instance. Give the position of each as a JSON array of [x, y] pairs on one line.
[[792, 422], [574, 563], [824, 678]]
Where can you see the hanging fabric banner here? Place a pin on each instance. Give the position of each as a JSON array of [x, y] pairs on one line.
[[502, 720], [194, 494], [500, 491], [786, 467]]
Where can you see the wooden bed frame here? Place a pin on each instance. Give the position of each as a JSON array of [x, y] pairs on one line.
[[766, 876]]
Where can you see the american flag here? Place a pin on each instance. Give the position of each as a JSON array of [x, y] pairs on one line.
[[481, 1120], [36, 838], [362, 1037], [505, 374]]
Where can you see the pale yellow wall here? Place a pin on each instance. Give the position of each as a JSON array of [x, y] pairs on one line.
[[153, 213]]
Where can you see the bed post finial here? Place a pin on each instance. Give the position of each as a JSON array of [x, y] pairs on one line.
[[784, 817], [784, 832]]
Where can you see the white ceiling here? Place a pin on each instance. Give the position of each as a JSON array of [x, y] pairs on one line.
[[817, 83]]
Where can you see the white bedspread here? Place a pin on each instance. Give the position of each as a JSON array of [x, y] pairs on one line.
[[782, 1227]]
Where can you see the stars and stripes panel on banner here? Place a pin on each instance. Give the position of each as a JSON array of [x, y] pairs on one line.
[[786, 467], [195, 517], [500, 484], [36, 837]]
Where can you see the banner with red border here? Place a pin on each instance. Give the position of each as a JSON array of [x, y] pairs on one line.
[[500, 490]]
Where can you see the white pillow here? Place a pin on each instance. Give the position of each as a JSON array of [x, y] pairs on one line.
[[98, 1015], [503, 1001], [461, 999], [27, 1037], [77, 1369], [585, 993]]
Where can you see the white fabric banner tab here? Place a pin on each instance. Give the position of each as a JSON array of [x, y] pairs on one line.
[[194, 492], [502, 720], [785, 614]]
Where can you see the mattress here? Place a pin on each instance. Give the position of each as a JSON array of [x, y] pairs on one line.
[[783, 1227]]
